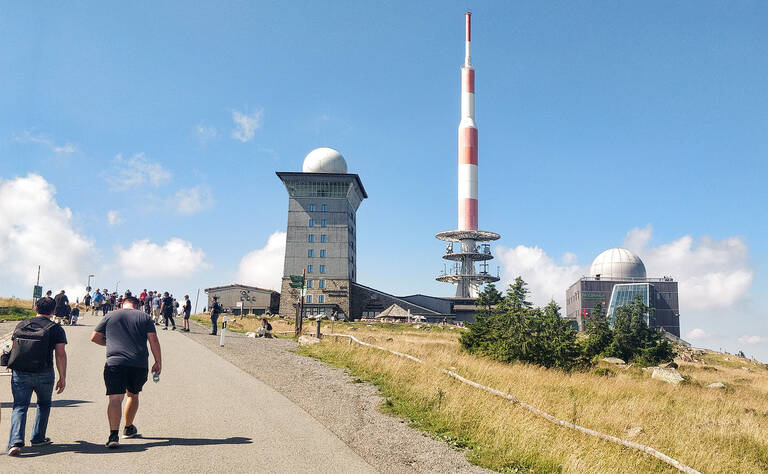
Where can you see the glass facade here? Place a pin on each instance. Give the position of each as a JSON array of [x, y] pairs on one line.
[[317, 188], [626, 293]]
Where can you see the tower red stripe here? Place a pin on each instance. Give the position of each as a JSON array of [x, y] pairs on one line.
[[468, 214], [469, 80], [468, 146]]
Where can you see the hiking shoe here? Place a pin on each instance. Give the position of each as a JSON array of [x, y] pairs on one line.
[[44, 442], [113, 442], [130, 432], [165, 329], [173, 328], [14, 451]]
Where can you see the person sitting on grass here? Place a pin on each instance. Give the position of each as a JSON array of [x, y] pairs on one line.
[[266, 329]]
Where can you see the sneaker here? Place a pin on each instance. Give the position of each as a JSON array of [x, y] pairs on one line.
[[14, 451], [130, 432], [113, 442], [44, 442], [165, 328], [173, 328]]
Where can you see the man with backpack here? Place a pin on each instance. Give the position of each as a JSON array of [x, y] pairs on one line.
[[215, 312], [34, 342]]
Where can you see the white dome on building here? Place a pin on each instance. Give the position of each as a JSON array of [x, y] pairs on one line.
[[617, 264], [324, 160]]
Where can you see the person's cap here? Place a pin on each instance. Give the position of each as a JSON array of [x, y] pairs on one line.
[[215, 297]]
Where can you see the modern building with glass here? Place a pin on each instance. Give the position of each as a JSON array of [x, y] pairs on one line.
[[616, 277]]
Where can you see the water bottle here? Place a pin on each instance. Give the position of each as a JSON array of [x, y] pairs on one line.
[[155, 377]]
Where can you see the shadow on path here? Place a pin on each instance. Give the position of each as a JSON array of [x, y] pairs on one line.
[[54, 404], [85, 447]]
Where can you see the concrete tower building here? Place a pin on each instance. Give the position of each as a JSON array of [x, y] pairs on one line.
[[463, 273], [322, 205]]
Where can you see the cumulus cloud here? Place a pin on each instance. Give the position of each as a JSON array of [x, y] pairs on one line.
[[546, 279], [189, 201], [206, 133], [135, 171], [264, 267], [712, 274], [246, 125], [753, 340], [176, 258], [28, 137], [114, 218], [698, 334], [36, 230]]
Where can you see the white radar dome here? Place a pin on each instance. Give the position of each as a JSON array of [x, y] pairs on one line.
[[617, 264], [324, 160]]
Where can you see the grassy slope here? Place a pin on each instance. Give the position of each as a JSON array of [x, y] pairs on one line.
[[14, 309], [711, 430]]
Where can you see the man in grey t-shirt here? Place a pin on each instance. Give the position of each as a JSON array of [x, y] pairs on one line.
[[125, 333]]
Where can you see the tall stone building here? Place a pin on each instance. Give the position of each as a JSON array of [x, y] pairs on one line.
[[322, 203]]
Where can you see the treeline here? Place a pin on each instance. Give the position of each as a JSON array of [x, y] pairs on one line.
[[508, 328]]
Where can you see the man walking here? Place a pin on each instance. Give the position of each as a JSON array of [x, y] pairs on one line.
[[187, 312], [125, 333], [156, 307], [166, 309], [34, 342], [61, 310], [215, 311]]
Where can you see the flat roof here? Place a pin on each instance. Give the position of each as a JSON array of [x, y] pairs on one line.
[[291, 174]]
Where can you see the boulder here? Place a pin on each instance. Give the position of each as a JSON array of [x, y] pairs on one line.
[[613, 360], [667, 375], [250, 334], [632, 432], [716, 385], [307, 340]]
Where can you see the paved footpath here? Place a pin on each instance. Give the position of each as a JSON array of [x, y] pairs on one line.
[[205, 415]]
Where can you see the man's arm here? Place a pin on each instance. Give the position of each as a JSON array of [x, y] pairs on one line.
[[99, 338], [61, 366], [154, 345]]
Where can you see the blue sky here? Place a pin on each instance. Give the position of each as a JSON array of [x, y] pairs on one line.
[[597, 119]]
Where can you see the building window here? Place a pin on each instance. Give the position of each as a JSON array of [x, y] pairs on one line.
[[324, 207], [323, 223], [323, 238], [308, 298], [322, 268], [310, 253], [322, 284], [309, 268], [322, 253], [311, 238], [321, 298], [309, 283], [311, 208], [311, 222]]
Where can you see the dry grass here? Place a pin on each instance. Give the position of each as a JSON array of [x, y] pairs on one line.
[[26, 304], [708, 429]]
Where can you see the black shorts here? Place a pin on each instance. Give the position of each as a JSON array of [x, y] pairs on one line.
[[122, 378]]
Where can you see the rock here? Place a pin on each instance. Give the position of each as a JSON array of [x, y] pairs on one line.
[[632, 432], [716, 385], [418, 326], [667, 375], [613, 360], [250, 334], [668, 365], [308, 340], [725, 358]]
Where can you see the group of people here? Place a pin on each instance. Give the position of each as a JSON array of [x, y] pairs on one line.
[[160, 306], [125, 333]]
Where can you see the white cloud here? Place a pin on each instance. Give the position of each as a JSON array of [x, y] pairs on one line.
[[753, 340], [177, 258], [264, 267], [114, 218], [712, 274], [698, 334], [135, 171], [246, 125], [546, 279], [28, 137], [35, 230], [192, 200], [206, 133], [569, 258]]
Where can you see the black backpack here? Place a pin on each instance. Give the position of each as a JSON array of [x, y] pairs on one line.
[[31, 346]]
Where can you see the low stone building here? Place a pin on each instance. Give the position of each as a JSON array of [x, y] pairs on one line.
[[254, 300]]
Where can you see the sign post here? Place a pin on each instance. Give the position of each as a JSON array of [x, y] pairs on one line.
[[301, 283]]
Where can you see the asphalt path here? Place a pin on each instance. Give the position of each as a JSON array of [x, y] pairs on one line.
[[204, 415]]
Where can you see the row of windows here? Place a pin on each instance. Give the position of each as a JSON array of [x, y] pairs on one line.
[[320, 299], [311, 269], [323, 223], [323, 208], [323, 238], [320, 283], [311, 253], [317, 189]]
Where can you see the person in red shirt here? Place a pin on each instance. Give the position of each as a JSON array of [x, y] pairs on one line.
[[143, 296]]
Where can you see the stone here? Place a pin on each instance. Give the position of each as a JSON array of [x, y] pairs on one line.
[[725, 358], [307, 340], [613, 360], [250, 334], [668, 365], [632, 432], [716, 385], [667, 375]]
